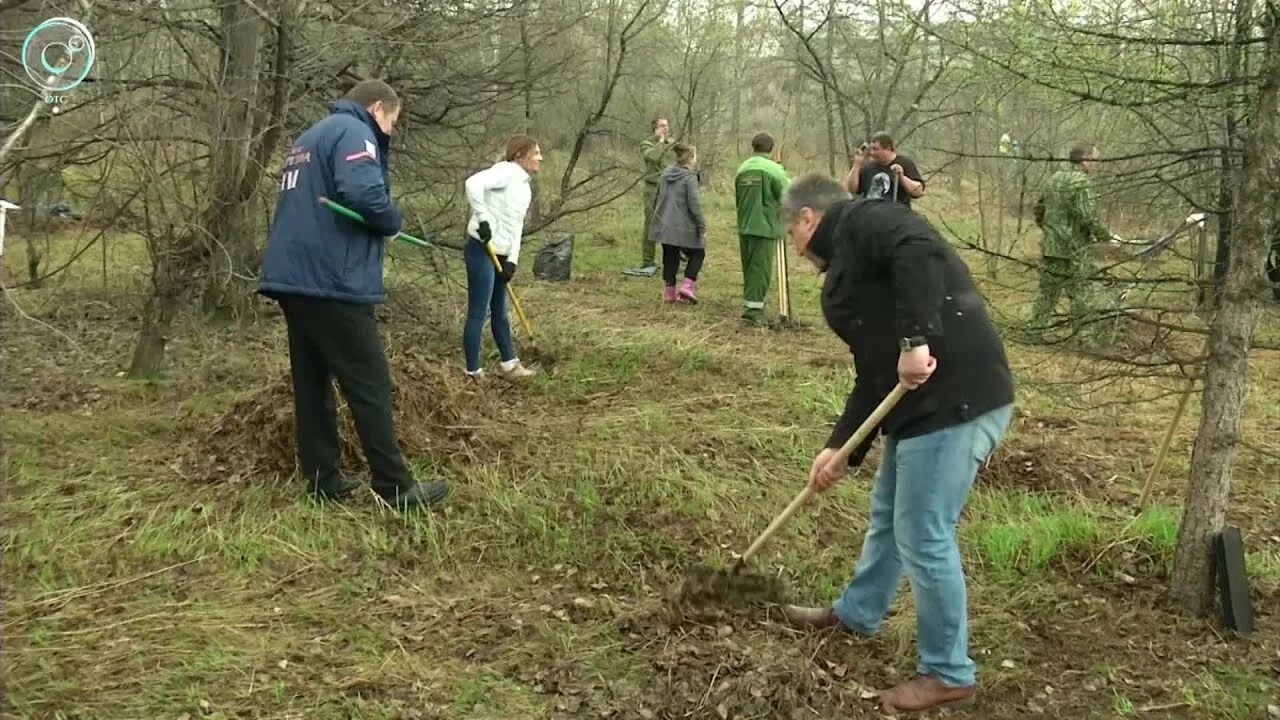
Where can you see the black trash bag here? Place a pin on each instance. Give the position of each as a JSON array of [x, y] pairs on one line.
[[554, 260]]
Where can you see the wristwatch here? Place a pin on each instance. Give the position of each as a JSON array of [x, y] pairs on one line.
[[908, 343]]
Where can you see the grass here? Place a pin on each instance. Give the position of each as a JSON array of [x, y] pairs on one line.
[[661, 438]]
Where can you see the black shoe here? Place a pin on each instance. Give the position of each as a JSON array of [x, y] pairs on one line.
[[417, 496], [338, 488]]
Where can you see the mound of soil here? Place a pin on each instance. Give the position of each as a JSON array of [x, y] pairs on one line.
[[440, 414], [1042, 454], [1044, 466], [738, 668], [707, 587]]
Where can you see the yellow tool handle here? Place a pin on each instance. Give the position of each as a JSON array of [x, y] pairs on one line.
[[873, 420], [515, 301]]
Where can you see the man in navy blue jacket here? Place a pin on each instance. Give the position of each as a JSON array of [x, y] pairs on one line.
[[326, 272]]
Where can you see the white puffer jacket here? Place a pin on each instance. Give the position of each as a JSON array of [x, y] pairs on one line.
[[500, 196]]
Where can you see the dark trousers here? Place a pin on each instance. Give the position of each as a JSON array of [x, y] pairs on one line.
[[649, 200], [331, 340], [671, 262], [486, 295]]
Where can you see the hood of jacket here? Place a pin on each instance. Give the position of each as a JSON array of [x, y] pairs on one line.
[[347, 106], [675, 173]]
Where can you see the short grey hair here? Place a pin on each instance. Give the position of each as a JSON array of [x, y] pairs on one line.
[[815, 191]]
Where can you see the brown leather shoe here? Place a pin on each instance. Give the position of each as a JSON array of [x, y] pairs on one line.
[[925, 693], [812, 618]]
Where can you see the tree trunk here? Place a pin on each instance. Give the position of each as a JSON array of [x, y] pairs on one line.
[[831, 130], [739, 70], [175, 262], [227, 219], [33, 260], [1255, 215], [980, 204], [526, 56], [1227, 172], [157, 320], [993, 266]]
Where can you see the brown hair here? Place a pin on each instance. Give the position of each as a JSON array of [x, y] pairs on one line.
[[653, 124], [519, 146], [368, 92], [883, 139], [1080, 151], [762, 142], [684, 152]]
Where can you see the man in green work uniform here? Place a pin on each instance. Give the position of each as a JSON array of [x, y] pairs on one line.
[[1067, 213], [654, 151], [758, 188]]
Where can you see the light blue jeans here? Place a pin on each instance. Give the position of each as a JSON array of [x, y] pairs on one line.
[[920, 489]]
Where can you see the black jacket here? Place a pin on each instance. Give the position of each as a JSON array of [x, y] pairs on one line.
[[889, 276]]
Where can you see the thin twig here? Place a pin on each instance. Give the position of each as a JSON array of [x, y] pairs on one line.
[[24, 314], [82, 592], [1157, 708]]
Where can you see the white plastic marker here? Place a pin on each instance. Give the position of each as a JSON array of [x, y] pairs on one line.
[[5, 207]]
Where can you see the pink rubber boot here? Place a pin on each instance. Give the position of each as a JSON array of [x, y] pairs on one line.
[[686, 291], [669, 294]]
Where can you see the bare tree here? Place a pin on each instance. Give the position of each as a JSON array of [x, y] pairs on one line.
[[1257, 216]]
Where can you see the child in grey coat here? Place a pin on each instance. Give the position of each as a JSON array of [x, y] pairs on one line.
[[679, 225]]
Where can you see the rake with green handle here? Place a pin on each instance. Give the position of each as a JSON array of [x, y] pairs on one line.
[[353, 215]]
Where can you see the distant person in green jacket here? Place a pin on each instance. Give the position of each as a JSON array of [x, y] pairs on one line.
[[758, 188], [654, 153]]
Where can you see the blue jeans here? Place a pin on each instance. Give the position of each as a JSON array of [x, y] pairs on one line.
[[486, 294], [920, 489]]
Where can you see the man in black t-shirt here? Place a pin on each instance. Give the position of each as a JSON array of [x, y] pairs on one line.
[[875, 166]]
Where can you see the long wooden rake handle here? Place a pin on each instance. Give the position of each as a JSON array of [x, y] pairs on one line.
[[872, 421]]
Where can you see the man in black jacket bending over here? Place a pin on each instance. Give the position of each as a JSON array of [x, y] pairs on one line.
[[906, 304]]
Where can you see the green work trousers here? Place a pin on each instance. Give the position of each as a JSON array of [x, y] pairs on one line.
[[648, 247], [1060, 275], [757, 268]]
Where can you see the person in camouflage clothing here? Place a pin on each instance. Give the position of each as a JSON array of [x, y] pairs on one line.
[[1067, 214], [654, 151]]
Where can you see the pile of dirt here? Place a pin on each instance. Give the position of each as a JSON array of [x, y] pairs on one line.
[[441, 417], [723, 678], [730, 669], [1042, 454], [1045, 466], [737, 667], [706, 588]]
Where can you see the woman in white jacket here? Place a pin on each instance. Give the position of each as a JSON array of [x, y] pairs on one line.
[[499, 198]]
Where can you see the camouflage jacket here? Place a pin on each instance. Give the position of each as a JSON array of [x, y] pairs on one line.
[[1067, 213], [655, 157]]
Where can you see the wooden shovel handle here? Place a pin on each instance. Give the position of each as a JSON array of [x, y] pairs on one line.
[[871, 423]]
